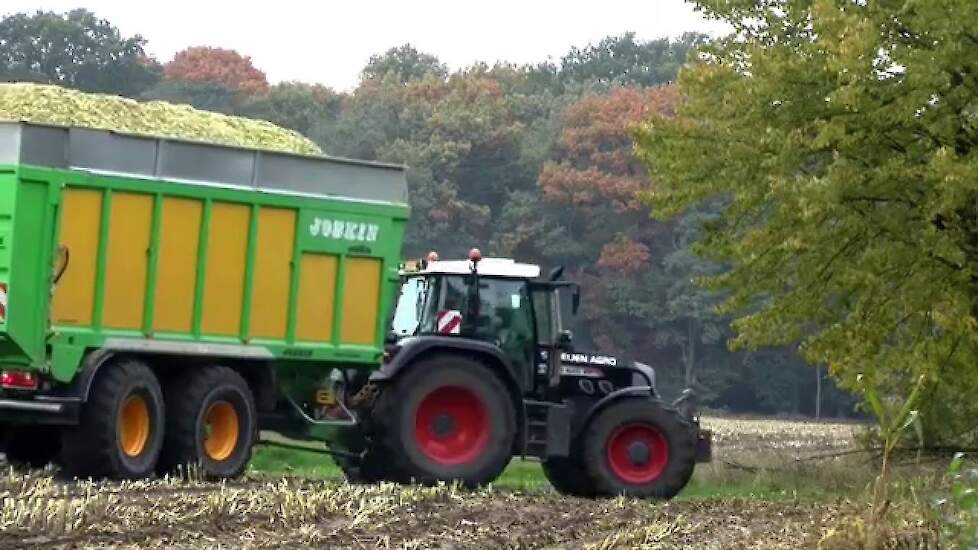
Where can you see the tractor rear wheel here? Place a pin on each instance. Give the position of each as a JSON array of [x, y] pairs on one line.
[[449, 418], [121, 430], [211, 423], [639, 448]]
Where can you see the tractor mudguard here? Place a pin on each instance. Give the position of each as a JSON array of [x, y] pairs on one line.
[[408, 349], [630, 392]]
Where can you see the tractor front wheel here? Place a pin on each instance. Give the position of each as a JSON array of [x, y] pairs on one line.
[[568, 477], [449, 418], [639, 448]]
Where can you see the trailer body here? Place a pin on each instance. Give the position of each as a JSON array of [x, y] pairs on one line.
[[118, 243]]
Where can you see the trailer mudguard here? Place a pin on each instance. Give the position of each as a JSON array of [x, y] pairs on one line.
[[79, 387]]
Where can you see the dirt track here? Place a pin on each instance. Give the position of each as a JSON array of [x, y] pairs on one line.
[[38, 511]]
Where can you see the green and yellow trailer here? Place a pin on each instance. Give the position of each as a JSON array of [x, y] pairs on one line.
[[162, 301]]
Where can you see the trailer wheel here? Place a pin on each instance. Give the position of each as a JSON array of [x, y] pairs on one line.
[[122, 424], [31, 447], [639, 448], [211, 423], [568, 477], [449, 418]]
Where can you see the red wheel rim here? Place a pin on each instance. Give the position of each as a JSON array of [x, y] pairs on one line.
[[637, 452], [451, 425]]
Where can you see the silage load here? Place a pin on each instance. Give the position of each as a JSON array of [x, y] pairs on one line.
[[42, 104]]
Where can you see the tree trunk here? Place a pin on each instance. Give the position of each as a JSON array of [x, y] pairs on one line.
[[818, 392], [690, 354]]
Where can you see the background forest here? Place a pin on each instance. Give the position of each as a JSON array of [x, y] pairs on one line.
[[535, 162]]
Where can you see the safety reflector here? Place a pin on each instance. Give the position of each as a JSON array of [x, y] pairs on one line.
[[449, 321], [18, 380]]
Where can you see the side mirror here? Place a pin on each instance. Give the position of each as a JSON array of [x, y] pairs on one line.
[[556, 272], [576, 300]]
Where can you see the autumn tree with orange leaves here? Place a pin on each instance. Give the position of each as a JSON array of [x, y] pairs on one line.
[[229, 68], [598, 179]]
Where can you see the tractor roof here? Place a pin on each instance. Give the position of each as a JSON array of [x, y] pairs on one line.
[[490, 267]]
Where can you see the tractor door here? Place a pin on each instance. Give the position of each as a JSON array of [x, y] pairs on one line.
[[546, 310], [506, 319]]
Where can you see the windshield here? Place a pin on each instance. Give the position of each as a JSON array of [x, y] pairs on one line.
[[407, 316], [443, 305], [442, 313]]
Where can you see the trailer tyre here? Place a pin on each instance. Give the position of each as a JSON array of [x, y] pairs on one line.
[[639, 448], [30, 447], [449, 418], [121, 431], [568, 477], [211, 423]]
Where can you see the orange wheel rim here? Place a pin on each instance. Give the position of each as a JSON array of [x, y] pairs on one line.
[[220, 430], [134, 425]]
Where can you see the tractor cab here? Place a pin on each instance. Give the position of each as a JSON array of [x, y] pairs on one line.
[[497, 301]]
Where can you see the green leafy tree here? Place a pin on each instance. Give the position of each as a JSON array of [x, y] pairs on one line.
[[75, 49], [210, 96], [461, 140], [627, 61], [843, 135], [404, 64], [310, 109]]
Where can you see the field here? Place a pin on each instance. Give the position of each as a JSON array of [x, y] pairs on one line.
[[771, 485]]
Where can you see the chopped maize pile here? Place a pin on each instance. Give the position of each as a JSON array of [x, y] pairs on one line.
[[42, 104]]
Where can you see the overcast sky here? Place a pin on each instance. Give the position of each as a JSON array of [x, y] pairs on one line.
[[329, 42]]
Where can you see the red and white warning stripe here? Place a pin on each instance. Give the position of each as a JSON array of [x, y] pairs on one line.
[[3, 302], [449, 321]]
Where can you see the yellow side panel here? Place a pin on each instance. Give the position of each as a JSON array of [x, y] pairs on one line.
[[227, 249], [176, 270], [317, 291], [361, 295], [127, 256], [81, 217], [272, 274]]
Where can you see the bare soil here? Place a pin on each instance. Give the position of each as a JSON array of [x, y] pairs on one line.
[[37, 511]]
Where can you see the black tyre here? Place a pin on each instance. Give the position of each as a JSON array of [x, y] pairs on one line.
[[31, 447], [449, 418], [122, 425], [639, 448], [368, 470], [211, 423], [568, 477]]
